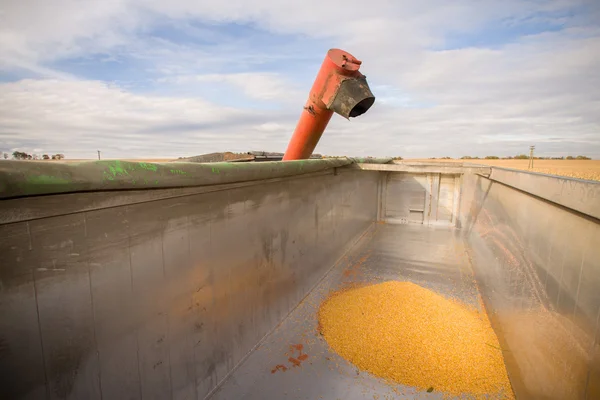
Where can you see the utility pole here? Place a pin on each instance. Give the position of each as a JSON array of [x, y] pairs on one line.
[[531, 149], [98, 154]]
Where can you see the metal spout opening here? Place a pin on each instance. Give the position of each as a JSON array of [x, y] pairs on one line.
[[354, 98], [362, 107]]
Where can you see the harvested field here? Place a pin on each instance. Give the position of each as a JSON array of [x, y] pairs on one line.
[[581, 169]]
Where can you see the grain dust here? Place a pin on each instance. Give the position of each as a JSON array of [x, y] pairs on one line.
[[416, 337]]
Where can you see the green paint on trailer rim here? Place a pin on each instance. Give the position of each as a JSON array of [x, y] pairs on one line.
[[34, 178], [115, 169], [148, 166], [118, 169]]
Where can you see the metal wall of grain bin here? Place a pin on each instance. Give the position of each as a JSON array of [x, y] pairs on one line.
[[448, 198], [427, 198], [160, 293], [405, 201], [537, 261]]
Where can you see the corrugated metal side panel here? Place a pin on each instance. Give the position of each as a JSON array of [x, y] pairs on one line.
[[405, 200], [446, 198]]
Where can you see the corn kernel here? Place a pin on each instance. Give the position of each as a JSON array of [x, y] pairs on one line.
[[413, 336]]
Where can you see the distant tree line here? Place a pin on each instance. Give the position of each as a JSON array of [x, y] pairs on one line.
[[20, 155], [524, 157], [578, 158], [17, 155]]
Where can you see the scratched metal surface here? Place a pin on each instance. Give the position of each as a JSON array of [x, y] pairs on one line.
[[577, 194], [162, 298], [161, 294], [538, 265], [33, 178], [433, 257]]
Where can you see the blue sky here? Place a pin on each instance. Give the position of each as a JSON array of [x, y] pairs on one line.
[[168, 79]]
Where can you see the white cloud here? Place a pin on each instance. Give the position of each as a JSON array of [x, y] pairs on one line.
[[37, 31], [273, 127], [256, 85], [538, 88], [79, 117]]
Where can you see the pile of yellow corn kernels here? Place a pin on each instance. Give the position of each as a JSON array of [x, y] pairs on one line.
[[414, 336]]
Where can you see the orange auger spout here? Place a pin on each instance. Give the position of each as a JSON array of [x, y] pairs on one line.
[[340, 88]]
